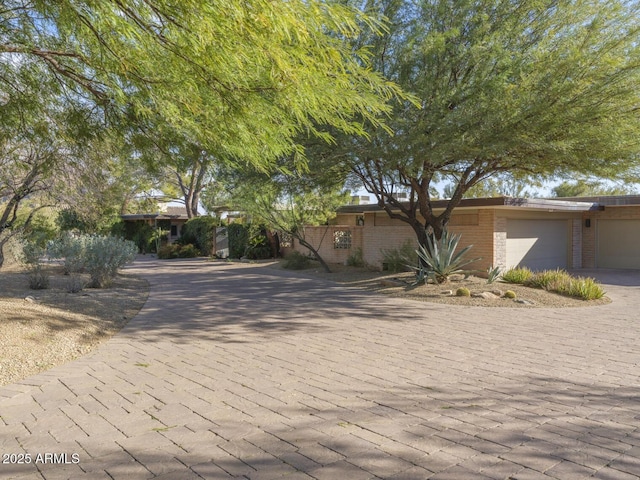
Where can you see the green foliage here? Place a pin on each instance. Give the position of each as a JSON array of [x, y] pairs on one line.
[[552, 280], [517, 275], [258, 246], [71, 248], [296, 261], [510, 294], [463, 292], [493, 273], [499, 186], [355, 259], [69, 220], [558, 281], [533, 89], [199, 231], [104, 256], [291, 199], [587, 188], [440, 258], [38, 278], [32, 253], [238, 236], [31, 258], [246, 77], [177, 250], [584, 288], [100, 256], [401, 259], [140, 233]]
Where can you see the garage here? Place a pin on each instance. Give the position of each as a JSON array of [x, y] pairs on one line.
[[537, 244], [618, 244]]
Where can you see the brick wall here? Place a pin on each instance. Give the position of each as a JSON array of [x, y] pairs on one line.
[[382, 233], [322, 238]]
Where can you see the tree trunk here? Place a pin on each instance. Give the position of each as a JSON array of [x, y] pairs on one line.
[[317, 256]]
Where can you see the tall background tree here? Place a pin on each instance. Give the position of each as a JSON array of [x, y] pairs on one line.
[[239, 77], [524, 88], [235, 80], [288, 199]]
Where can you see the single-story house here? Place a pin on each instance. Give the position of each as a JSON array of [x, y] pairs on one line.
[[584, 232], [172, 220]]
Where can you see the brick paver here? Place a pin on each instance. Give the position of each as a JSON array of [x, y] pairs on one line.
[[242, 371]]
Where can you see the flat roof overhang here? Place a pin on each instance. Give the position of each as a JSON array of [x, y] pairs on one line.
[[152, 216], [534, 204]]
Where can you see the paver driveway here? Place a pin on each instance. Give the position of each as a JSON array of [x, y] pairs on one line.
[[243, 371]]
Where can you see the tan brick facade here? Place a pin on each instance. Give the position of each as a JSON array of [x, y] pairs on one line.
[[484, 228]]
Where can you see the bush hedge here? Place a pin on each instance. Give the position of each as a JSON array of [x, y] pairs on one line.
[[199, 232]]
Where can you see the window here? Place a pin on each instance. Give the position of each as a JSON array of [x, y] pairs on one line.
[[286, 240], [342, 239], [174, 230]]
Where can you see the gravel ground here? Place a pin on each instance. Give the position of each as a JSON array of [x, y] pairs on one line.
[[40, 329], [399, 285]]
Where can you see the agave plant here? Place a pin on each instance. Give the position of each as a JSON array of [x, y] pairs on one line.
[[493, 273], [439, 259]]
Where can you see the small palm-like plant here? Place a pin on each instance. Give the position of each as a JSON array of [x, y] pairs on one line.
[[439, 258]]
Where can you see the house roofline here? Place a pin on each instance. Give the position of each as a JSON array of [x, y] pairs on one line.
[[153, 216], [495, 202]]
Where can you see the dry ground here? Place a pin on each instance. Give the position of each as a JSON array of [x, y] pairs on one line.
[[400, 285], [40, 329], [54, 326]]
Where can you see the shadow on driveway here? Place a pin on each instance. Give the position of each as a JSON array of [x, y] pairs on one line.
[[228, 302]]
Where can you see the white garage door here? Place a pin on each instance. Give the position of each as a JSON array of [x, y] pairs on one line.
[[618, 244], [537, 244]]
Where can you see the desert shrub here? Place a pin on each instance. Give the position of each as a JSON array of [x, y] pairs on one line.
[[439, 259], [70, 248], [100, 256], [551, 280], [517, 275], [296, 261], [188, 251], [509, 294], [31, 258], [75, 283], [401, 259], [169, 251], [38, 278], [493, 273], [199, 231], [463, 292], [238, 236], [355, 259], [581, 287], [104, 256]]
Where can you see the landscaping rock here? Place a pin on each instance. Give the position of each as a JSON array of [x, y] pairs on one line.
[[391, 283], [497, 292], [524, 302], [30, 299], [485, 295], [447, 292]]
